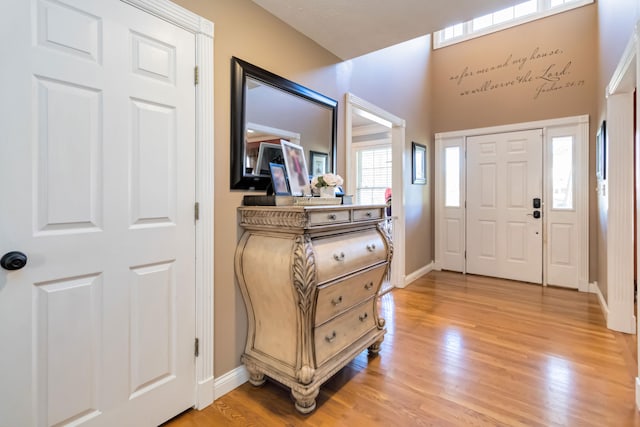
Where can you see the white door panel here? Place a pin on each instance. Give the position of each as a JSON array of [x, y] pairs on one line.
[[100, 126], [504, 175]]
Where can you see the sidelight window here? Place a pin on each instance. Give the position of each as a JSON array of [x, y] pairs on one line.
[[452, 177], [562, 172]]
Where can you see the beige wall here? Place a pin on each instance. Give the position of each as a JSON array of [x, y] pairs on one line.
[[542, 70], [616, 22], [394, 80]]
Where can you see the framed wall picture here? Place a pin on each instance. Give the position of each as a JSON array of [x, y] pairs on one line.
[[601, 152], [279, 179], [318, 163], [419, 168], [297, 171]]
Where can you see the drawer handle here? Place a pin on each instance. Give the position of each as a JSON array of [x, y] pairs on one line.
[[368, 285], [368, 214], [332, 217], [371, 247], [331, 338], [339, 257], [363, 317], [337, 301]]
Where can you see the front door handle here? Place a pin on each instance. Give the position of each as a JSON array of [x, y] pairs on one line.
[[535, 214]]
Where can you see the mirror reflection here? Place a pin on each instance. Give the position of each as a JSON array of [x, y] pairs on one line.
[[267, 109]]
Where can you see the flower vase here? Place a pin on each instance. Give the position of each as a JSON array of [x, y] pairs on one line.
[[327, 191]]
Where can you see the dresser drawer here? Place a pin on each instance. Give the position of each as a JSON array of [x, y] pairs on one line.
[[329, 217], [343, 331], [367, 214], [340, 296], [345, 254]]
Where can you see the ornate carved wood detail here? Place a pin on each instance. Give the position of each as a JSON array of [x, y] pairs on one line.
[[275, 219], [304, 282], [380, 322], [304, 271], [385, 233]]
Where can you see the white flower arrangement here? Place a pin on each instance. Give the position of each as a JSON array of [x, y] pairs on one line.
[[326, 180]]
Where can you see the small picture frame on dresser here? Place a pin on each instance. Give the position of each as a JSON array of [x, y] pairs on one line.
[[296, 166], [279, 179]]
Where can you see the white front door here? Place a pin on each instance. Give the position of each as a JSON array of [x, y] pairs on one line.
[[98, 189], [504, 176]]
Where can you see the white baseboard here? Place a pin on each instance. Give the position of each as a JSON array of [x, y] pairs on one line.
[[204, 393], [587, 287], [417, 274], [229, 381]]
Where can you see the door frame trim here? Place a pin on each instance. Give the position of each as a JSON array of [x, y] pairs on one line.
[[618, 189], [581, 188], [397, 155], [203, 31]]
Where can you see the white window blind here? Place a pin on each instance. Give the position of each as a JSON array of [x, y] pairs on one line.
[[373, 174]]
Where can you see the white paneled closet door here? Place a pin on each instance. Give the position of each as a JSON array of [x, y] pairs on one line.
[[99, 170]]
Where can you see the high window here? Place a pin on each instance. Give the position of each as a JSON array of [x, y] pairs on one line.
[[509, 17]]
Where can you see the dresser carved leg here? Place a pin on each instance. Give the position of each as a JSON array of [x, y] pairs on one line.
[[305, 403], [374, 348], [256, 377]]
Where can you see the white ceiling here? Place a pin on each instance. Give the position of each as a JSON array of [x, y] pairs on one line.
[[351, 28]]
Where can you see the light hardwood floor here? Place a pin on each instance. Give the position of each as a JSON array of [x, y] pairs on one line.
[[465, 351]]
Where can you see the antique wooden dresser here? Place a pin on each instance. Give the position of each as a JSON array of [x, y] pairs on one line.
[[309, 277]]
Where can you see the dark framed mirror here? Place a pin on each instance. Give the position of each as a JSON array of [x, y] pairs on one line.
[[266, 108]]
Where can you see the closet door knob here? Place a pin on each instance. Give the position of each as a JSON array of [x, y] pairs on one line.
[[13, 260]]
